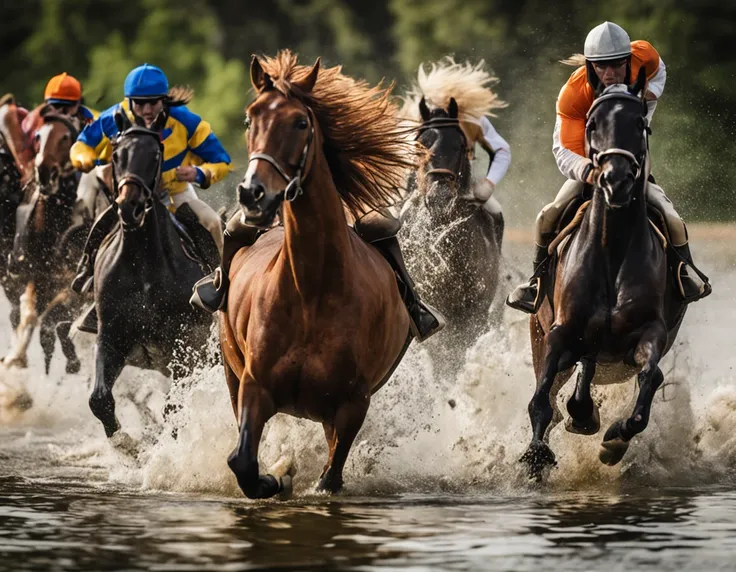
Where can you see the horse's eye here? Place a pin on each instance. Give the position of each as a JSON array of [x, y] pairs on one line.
[[37, 136], [302, 124]]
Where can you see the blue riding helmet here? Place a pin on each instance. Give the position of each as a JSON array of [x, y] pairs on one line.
[[146, 81]]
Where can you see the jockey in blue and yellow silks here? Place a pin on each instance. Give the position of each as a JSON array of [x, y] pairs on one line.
[[192, 154]]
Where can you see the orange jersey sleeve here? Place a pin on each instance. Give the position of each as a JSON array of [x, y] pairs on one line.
[[573, 103], [643, 54]]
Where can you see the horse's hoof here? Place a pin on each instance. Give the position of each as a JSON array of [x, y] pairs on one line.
[[589, 427], [612, 451], [286, 489], [538, 457], [73, 366]]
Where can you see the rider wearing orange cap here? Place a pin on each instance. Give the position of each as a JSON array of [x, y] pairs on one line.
[[64, 93]]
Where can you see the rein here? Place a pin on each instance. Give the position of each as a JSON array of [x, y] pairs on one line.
[[294, 185]]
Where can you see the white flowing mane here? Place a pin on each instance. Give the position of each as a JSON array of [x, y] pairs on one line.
[[467, 83]]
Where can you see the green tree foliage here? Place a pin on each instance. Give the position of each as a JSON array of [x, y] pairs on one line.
[[208, 44]]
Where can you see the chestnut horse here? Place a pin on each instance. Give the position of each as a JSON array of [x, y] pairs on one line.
[[314, 322], [42, 262]]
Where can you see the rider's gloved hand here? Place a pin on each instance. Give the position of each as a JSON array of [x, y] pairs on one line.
[[483, 190]]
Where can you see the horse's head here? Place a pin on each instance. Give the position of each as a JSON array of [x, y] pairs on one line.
[[54, 139], [136, 164], [447, 168], [616, 139], [280, 134]]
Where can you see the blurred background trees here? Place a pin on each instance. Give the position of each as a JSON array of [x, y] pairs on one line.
[[207, 44]]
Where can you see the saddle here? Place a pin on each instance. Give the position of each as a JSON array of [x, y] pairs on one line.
[[196, 240], [571, 220]]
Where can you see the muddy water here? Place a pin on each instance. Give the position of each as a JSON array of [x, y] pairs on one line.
[[433, 480]]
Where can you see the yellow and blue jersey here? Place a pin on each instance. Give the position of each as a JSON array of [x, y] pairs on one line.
[[188, 141]]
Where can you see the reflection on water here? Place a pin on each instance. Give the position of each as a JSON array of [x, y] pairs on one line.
[[72, 526]]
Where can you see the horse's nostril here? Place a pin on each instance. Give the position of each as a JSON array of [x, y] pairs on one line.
[[258, 194]]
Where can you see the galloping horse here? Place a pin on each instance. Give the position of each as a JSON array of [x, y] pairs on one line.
[[314, 322], [612, 299], [42, 260], [143, 276], [455, 244]]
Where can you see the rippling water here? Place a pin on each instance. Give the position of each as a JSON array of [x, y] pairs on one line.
[[433, 480]]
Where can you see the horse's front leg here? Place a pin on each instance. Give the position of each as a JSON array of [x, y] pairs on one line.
[[340, 436], [27, 320], [109, 362], [648, 353], [584, 418], [543, 408], [256, 408]]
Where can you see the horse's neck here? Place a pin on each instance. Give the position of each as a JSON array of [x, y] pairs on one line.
[[155, 241], [614, 231], [316, 243]]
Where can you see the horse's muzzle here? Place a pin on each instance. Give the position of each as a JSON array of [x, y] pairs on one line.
[[259, 207]]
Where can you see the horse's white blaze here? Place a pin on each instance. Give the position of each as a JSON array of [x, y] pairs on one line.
[[43, 134]]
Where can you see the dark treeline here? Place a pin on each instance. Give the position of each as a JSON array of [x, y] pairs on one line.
[[208, 44]]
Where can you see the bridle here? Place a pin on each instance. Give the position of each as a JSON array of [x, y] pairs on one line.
[[442, 123], [128, 178], [596, 156], [294, 185], [67, 170]]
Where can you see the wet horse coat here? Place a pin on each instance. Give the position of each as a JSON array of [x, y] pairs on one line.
[[614, 300], [314, 322]]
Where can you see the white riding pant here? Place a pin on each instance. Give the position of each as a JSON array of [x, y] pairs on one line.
[[551, 213]]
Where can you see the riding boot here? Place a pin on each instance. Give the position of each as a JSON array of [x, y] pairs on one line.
[[528, 297], [426, 321], [210, 293], [204, 243], [693, 284], [89, 320], [85, 269]]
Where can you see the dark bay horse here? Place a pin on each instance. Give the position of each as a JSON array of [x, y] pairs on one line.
[[314, 322], [612, 305], [143, 277], [455, 244], [42, 260]]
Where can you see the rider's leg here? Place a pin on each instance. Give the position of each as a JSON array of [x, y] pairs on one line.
[[527, 297], [695, 285], [380, 229], [493, 208], [206, 215], [102, 226], [210, 292]]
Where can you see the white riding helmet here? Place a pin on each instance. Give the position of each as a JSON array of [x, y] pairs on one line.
[[608, 41]]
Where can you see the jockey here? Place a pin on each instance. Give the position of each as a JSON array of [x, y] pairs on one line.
[[64, 94], [483, 133], [192, 154], [610, 58]]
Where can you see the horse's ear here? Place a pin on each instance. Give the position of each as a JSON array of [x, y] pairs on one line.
[[122, 121], [46, 110], [258, 76], [423, 109], [160, 122], [306, 84], [640, 84], [452, 109]]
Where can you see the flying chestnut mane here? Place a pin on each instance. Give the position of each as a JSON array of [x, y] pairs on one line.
[[366, 146]]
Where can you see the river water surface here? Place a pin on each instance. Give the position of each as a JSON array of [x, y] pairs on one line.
[[433, 480]]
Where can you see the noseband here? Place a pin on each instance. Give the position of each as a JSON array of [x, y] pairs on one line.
[[294, 185], [442, 123], [597, 156]]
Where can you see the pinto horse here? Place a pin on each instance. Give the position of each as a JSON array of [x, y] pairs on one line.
[[612, 303], [42, 261], [314, 322], [143, 277], [456, 245]]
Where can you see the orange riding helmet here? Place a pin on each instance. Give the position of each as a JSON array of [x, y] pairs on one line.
[[63, 88]]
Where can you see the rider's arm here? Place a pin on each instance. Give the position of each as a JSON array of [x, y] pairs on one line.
[[645, 53], [93, 144], [213, 161], [568, 139], [500, 149]]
